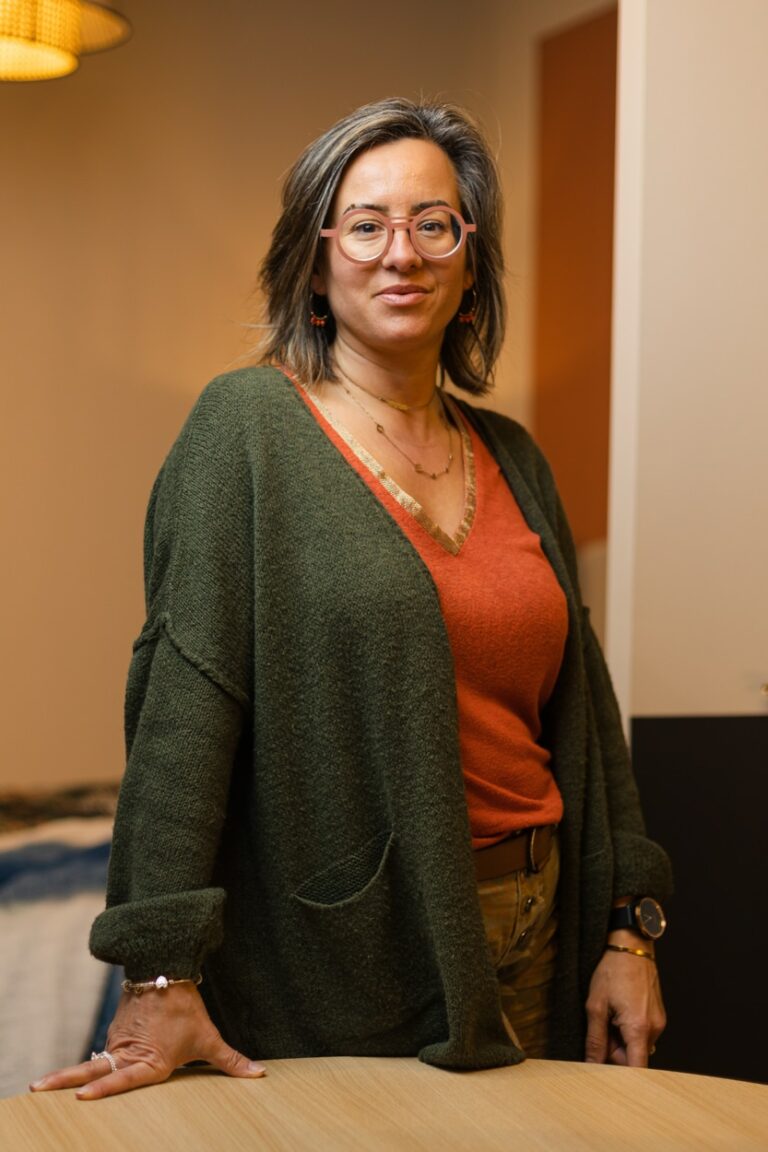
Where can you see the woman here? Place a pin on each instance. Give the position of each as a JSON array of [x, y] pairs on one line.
[[377, 792]]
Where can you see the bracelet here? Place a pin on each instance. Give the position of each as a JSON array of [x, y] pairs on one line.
[[632, 951], [158, 985]]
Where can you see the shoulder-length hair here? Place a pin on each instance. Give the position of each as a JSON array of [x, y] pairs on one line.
[[469, 351]]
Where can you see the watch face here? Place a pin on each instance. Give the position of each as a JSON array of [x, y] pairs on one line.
[[650, 918]]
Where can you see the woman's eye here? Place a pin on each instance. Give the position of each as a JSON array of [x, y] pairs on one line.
[[366, 227], [433, 226]]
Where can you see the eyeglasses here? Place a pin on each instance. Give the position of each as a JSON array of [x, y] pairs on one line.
[[364, 235]]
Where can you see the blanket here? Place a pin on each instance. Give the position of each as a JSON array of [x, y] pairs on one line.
[[55, 999]]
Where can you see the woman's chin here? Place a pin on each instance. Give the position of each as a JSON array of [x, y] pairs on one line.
[[401, 331]]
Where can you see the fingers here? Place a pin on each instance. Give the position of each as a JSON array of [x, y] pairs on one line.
[[631, 1054], [618, 1042], [233, 1063], [635, 1044], [637, 1050], [140, 1073], [72, 1077], [596, 1046], [135, 1075], [639, 1054], [617, 1051], [95, 1078], [639, 1038]]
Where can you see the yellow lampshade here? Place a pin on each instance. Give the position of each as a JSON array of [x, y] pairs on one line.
[[43, 39]]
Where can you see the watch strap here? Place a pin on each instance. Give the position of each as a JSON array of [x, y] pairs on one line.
[[623, 917]]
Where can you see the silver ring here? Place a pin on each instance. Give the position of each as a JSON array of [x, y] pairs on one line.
[[105, 1056]]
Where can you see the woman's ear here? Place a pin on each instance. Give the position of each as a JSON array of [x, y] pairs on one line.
[[469, 278], [317, 283]]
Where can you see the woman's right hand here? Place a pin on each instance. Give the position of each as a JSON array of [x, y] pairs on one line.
[[150, 1036]]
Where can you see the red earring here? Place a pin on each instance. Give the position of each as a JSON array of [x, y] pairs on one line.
[[315, 320]]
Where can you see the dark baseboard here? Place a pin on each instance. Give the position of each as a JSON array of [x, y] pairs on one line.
[[704, 787]]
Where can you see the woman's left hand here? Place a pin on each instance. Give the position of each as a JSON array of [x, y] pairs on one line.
[[625, 1012]]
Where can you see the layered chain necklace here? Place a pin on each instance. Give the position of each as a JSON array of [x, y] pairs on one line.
[[397, 404], [417, 467]]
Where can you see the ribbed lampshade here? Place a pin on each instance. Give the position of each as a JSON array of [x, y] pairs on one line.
[[43, 39]]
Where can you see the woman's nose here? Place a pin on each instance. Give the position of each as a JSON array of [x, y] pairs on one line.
[[401, 252]]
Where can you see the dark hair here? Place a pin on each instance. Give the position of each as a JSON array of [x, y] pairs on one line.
[[469, 351]]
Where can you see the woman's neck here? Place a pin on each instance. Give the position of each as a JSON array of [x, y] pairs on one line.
[[404, 386]]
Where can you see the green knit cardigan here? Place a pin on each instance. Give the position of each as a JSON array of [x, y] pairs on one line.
[[292, 818]]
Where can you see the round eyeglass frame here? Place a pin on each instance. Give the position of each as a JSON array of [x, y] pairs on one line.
[[394, 224]]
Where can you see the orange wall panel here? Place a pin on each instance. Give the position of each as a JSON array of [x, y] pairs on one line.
[[572, 338]]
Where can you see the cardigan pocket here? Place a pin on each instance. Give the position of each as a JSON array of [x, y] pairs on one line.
[[348, 878], [362, 935]]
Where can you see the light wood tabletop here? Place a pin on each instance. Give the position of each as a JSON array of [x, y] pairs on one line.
[[347, 1104]]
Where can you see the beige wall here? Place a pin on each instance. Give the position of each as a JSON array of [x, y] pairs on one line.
[[137, 198], [688, 558]]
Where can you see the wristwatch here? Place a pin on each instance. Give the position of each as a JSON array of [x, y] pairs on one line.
[[643, 914]]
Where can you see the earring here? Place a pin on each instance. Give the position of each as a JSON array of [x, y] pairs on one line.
[[315, 320], [468, 316]]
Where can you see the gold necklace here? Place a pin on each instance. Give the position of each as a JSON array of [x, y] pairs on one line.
[[397, 404], [417, 467]]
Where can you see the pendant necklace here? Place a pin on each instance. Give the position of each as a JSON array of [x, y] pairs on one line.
[[417, 467]]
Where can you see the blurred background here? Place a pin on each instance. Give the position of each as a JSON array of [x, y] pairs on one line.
[[137, 198]]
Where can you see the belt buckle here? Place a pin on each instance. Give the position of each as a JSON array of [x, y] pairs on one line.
[[531, 865]]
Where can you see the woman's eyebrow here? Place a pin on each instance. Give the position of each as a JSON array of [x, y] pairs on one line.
[[429, 204], [384, 210]]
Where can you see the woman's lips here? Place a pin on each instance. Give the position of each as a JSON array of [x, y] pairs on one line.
[[402, 294]]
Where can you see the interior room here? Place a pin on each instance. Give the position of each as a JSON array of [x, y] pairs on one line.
[[138, 196]]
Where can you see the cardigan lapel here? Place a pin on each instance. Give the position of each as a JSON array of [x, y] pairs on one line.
[[531, 507]]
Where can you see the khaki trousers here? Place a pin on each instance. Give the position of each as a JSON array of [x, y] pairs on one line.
[[520, 917]]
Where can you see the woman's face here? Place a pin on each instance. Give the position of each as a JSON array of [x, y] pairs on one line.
[[401, 302]]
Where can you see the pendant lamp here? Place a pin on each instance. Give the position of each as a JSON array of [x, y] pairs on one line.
[[44, 39]]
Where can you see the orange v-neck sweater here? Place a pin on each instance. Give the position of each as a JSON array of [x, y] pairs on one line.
[[506, 619]]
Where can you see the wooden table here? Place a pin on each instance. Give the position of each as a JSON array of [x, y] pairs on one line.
[[392, 1105]]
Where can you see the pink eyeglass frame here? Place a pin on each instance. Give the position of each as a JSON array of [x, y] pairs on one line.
[[398, 224]]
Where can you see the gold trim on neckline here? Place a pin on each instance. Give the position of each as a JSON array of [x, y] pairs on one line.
[[450, 543]]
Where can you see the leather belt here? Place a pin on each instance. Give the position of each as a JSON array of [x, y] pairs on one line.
[[527, 849]]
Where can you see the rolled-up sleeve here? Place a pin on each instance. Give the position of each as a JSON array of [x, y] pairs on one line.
[[187, 702]]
